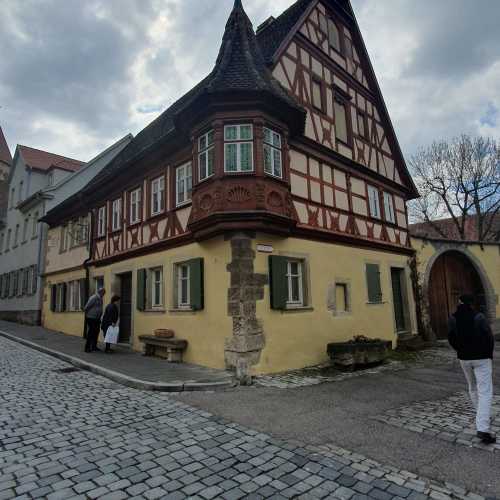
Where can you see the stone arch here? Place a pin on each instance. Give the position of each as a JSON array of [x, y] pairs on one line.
[[444, 248]]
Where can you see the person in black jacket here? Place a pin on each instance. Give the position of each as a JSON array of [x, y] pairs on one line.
[[110, 318], [469, 333]]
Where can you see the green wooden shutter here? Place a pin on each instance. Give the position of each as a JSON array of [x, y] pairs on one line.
[[83, 293], [196, 284], [278, 282], [53, 297], [141, 289], [373, 283], [64, 297]]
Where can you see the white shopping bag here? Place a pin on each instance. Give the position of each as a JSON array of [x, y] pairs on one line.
[[112, 335]]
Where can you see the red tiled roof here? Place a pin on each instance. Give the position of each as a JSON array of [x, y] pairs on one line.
[[42, 160], [5, 155], [448, 227]]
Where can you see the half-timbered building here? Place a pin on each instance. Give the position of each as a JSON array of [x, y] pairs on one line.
[[263, 215]]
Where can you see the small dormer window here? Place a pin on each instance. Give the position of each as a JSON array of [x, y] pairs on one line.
[[238, 148], [273, 164], [206, 156]]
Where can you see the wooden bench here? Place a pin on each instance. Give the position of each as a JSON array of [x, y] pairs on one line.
[[170, 349]]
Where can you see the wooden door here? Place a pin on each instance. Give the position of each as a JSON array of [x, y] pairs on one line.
[[451, 276], [125, 308], [397, 276]]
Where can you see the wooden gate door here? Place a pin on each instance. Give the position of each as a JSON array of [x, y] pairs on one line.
[[125, 308], [451, 276]]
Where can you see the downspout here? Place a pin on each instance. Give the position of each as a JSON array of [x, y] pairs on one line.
[[42, 237], [86, 267]]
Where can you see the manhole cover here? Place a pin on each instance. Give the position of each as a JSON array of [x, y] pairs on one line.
[[70, 369]]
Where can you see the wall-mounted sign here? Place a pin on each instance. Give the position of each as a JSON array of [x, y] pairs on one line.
[[265, 248]]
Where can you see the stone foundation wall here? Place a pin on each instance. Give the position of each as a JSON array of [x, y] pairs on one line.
[[32, 318]]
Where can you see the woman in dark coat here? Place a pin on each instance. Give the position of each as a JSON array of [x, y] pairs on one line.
[[110, 318]]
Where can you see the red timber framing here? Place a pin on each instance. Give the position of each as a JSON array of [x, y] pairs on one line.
[[326, 169]]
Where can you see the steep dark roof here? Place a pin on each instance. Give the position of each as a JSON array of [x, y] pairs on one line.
[[5, 155], [275, 33], [240, 66]]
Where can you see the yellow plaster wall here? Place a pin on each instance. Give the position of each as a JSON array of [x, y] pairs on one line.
[[70, 323], [296, 339], [489, 257], [204, 330]]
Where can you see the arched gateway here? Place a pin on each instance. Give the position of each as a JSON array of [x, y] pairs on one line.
[[452, 274]]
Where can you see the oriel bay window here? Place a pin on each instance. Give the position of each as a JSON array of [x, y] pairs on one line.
[[206, 155], [158, 195], [135, 206], [184, 184], [287, 283], [116, 219], [238, 148], [273, 164]]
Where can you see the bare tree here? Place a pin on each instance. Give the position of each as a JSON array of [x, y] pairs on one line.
[[459, 180]]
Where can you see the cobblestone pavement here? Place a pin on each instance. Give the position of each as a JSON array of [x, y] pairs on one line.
[[451, 419], [68, 434], [321, 374]]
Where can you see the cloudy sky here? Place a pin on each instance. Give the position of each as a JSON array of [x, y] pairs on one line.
[[76, 75]]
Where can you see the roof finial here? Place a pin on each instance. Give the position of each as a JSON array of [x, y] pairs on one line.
[[238, 4]]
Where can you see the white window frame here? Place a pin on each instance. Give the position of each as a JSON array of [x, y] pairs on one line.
[[290, 277], [116, 215], [135, 206], [272, 147], [374, 201], [205, 151], [101, 222], [16, 235], [74, 296], [25, 229], [156, 300], [158, 195], [390, 214], [184, 176], [238, 142], [179, 282]]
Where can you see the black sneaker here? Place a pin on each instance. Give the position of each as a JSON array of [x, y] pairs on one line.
[[486, 438]]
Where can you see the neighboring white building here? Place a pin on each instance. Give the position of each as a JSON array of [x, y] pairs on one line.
[[38, 181], [5, 163]]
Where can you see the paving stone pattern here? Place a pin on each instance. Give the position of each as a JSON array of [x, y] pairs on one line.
[[325, 373], [74, 435], [451, 419]]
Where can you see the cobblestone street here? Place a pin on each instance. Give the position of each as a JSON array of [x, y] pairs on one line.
[[70, 434]]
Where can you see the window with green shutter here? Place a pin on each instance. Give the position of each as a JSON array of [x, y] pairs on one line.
[[141, 289], [83, 293], [373, 283], [53, 298], [278, 283]]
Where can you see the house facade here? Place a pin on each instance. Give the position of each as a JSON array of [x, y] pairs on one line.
[[263, 215], [67, 251], [5, 164], [38, 181]]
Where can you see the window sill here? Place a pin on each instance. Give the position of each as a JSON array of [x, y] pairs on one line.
[[153, 216], [183, 204], [297, 309], [182, 310], [381, 303], [159, 310], [133, 224], [205, 179]]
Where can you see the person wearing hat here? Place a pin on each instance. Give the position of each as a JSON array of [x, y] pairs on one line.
[[93, 313], [469, 333]]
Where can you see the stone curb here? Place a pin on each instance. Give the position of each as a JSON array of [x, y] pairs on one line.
[[143, 385]]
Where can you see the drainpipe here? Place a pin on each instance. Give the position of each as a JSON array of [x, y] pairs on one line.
[[42, 237], [86, 266]]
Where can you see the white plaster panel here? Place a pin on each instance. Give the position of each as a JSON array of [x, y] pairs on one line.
[[298, 161], [399, 203], [279, 74], [328, 194], [301, 212], [313, 168], [377, 230], [401, 220], [315, 191], [359, 206], [345, 151], [340, 179], [361, 224], [358, 186], [183, 216], [392, 234], [292, 49], [343, 220], [299, 186], [309, 127], [341, 199], [327, 173]]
